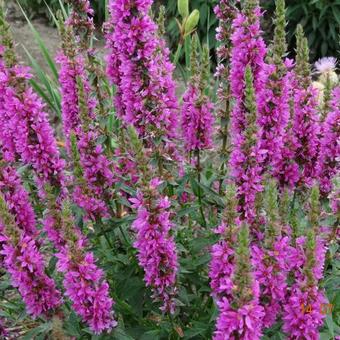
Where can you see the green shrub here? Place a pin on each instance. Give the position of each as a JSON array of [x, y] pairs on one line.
[[320, 20]]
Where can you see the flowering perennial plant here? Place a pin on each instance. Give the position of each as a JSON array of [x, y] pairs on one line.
[[83, 280], [247, 156], [156, 247], [197, 118], [254, 256]]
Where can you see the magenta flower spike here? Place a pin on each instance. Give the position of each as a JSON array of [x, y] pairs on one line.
[[247, 156], [24, 263], [138, 64], [17, 200], [241, 316], [156, 247], [305, 120], [25, 266], [86, 288], [197, 119], [29, 133], [327, 165]]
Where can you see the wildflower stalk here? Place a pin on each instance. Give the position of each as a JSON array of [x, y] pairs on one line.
[[271, 207], [246, 156], [226, 13], [302, 69], [7, 40], [154, 242], [242, 276], [203, 87], [242, 315], [279, 45], [26, 267], [314, 209], [305, 126]]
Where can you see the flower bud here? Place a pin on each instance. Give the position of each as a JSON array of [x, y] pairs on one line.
[[183, 8], [320, 88], [192, 21], [329, 76]]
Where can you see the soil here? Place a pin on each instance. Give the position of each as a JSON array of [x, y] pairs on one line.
[[24, 37]]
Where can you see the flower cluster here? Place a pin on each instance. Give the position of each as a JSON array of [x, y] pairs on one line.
[[24, 263], [274, 113], [271, 272], [78, 111], [156, 247], [17, 200], [86, 288], [197, 120], [305, 121], [329, 145], [29, 133], [247, 156], [248, 48], [268, 260], [138, 64], [221, 267], [242, 315], [34, 145], [303, 311], [26, 267], [70, 71]]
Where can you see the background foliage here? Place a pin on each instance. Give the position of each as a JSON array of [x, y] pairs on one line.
[[319, 18]]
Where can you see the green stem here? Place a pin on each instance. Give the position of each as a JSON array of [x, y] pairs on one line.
[[198, 169], [223, 152], [124, 236], [178, 53], [187, 47]]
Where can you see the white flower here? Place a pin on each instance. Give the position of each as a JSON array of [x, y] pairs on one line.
[[326, 65]]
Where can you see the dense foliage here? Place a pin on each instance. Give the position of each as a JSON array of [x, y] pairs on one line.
[[320, 20], [149, 216]]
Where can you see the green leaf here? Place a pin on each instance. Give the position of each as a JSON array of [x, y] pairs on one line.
[[196, 329], [42, 47], [32, 334], [151, 335], [120, 334], [330, 324]]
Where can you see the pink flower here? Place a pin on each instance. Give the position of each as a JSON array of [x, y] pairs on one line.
[[303, 313], [138, 64], [17, 200], [156, 247], [271, 272], [306, 130], [327, 165], [95, 165], [244, 323], [274, 113], [29, 134], [197, 120], [69, 71], [248, 49], [25, 266], [221, 268], [245, 161], [86, 288]]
